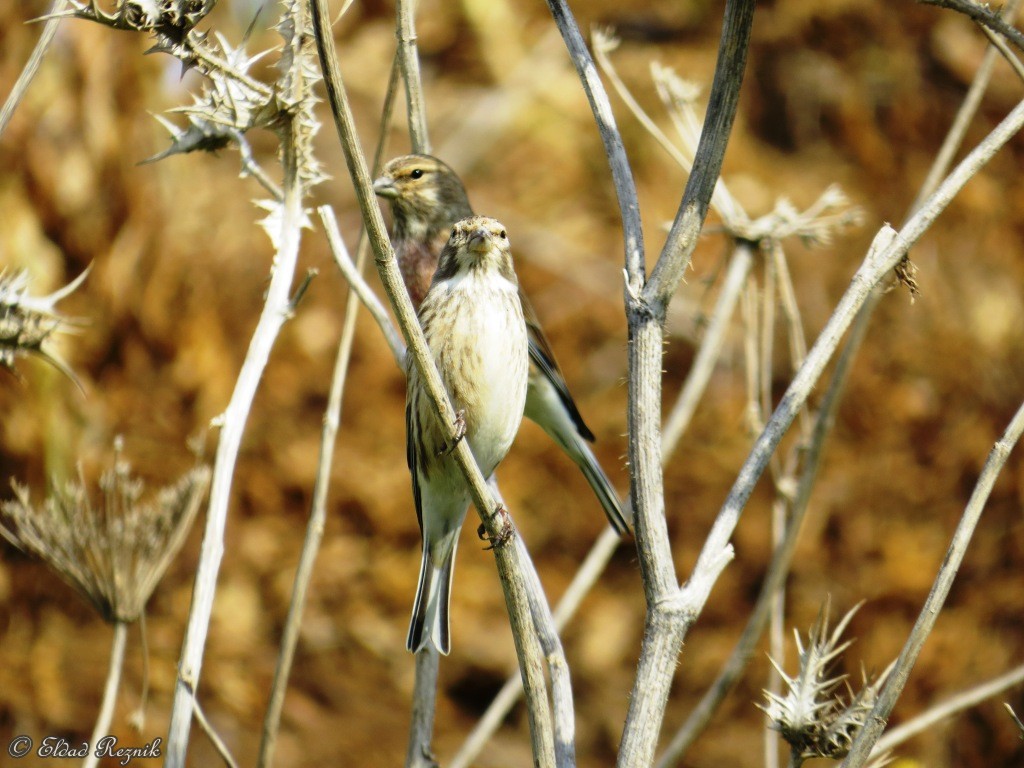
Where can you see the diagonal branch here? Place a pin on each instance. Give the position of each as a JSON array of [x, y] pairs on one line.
[[982, 14], [862, 745]]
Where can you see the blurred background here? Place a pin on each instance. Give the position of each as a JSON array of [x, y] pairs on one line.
[[859, 94]]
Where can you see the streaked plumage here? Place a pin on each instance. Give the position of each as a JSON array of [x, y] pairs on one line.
[[473, 322], [427, 198]]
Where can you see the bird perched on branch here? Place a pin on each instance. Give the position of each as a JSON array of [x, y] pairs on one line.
[[473, 322], [427, 198]]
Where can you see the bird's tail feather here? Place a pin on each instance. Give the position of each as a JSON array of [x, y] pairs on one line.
[[429, 623], [580, 453]]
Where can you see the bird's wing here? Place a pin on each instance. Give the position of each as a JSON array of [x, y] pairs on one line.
[[544, 359], [410, 456]]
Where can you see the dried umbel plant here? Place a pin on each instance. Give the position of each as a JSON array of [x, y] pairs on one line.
[[815, 717], [28, 322], [113, 552]]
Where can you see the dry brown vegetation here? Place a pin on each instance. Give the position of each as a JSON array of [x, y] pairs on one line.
[[855, 93]]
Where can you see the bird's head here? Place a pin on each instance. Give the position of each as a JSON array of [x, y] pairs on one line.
[[476, 243], [426, 195]]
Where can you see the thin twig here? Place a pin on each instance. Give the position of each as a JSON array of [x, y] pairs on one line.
[[982, 14], [1005, 52], [948, 708], [32, 65], [359, 286], [964, 115], [707, 162], [109, 693], [207, 727], [310, 544], [865, 741], [409, 61], [516, 600]]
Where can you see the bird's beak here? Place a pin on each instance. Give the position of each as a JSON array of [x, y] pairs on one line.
[[385, 187], [480, 240]]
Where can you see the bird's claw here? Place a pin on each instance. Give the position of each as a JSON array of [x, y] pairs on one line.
[[505, 530], [460, 432]]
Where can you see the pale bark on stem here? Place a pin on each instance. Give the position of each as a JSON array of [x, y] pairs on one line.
[[527, 647], [276, 310], [311, 542], [409, 61], [564, 722], [590, 570], [778, 568], [951, 706], [860, 752], [106, 714], [28, 72]]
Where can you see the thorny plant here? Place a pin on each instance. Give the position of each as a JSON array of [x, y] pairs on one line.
[[814, 716], [28, 322]]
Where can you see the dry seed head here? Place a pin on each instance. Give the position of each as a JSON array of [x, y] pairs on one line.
[[114, 552]]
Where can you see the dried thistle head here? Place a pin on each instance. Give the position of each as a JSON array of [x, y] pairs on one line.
[[171, 18], [114, 552], [814, 716], [27, 322]]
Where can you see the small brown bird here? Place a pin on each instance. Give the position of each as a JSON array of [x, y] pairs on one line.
[[473, 322], [427, 198]]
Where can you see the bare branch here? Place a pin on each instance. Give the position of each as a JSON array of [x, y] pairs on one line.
[[707, 164], [32, 65], [865, 741], [409, 61], [982, 14], [948, 708], [622, 176]]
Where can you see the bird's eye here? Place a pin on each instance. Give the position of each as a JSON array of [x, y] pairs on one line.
[[416, 174], [503, 236]]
